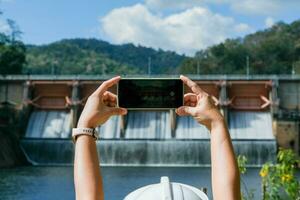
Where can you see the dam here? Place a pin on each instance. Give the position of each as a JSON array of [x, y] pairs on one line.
[[261, 113]]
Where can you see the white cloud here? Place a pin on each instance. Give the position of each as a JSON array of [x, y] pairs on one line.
[[264, 7], [184, 32], [247, 7], [181, 4], [269, 22], [173, 4]]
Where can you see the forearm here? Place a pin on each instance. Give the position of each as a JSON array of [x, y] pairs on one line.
[[225, 174], [88, 181]]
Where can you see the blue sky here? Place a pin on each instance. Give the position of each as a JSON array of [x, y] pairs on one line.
[[184, 26]]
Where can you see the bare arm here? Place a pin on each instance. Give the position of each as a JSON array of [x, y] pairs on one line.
[[99, 107], [225, 174], [88, 180]]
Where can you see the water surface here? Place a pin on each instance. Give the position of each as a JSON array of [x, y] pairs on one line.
[[48, 183]]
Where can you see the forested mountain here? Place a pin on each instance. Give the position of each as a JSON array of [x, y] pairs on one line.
[[272, 51], [92, 56]]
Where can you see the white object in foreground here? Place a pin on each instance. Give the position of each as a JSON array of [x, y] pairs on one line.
[[166, 190]]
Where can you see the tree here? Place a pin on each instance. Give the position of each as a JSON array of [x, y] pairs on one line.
[[12, 50], [272, 51]]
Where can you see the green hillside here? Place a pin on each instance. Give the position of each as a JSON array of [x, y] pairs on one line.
[[272, 51], [92, 56]]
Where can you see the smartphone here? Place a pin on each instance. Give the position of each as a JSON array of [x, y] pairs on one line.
[[154, 93]]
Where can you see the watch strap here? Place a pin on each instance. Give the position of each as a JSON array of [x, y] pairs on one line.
[[84, 131]]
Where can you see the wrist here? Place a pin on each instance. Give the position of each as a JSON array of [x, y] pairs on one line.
[[82, 124], [218, 122], [217, 119]]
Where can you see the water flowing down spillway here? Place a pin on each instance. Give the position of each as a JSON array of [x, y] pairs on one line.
[[148, 125], [110, 129], [49, 124], [188, 128], [250, 125], [146, 152], [148, 139]]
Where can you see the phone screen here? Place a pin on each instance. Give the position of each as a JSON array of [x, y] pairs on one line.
[[150, 93]]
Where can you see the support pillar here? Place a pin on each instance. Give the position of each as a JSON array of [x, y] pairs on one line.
[[27, 94], [273, 96], [75, 105], [223, 99], [25, 107], [173, 123], [122, 125]]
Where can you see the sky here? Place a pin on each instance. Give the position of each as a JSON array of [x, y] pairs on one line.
[[184, 26]]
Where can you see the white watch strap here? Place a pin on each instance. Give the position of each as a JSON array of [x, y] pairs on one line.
[[84, 131]]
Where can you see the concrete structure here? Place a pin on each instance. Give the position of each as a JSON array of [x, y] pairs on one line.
[[278, 95]]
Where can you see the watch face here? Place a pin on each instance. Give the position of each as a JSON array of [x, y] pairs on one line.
[[150, 93]]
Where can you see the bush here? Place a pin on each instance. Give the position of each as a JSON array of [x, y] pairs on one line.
[[278, 180]]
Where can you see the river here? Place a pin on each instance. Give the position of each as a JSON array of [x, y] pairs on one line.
[[52, 183]]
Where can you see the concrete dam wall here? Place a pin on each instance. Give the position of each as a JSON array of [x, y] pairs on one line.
[[255, 114]]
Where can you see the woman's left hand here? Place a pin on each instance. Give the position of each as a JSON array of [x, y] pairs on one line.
[[100, 106]]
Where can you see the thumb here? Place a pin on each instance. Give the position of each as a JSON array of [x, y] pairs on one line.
[[186, 110], [118, 111]]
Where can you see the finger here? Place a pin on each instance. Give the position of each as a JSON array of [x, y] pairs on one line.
[[191, 104], [118, 111], [187, 103], [216, 101], [186, 110], [108, 96], [190, 97], [191, 84], [105, 85], [110, 104]]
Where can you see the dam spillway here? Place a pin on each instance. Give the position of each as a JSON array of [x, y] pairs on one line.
[[49, 124], [150, 143], [146, 138]]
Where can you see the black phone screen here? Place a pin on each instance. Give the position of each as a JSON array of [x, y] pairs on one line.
[[150, 93]]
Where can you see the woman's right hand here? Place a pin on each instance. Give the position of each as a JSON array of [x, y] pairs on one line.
[[199, 105], [100, 106]]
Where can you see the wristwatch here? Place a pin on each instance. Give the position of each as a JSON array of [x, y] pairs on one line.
[[84, 131]]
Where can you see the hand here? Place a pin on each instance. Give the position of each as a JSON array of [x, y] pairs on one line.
[[199, 104], [100, 106]]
